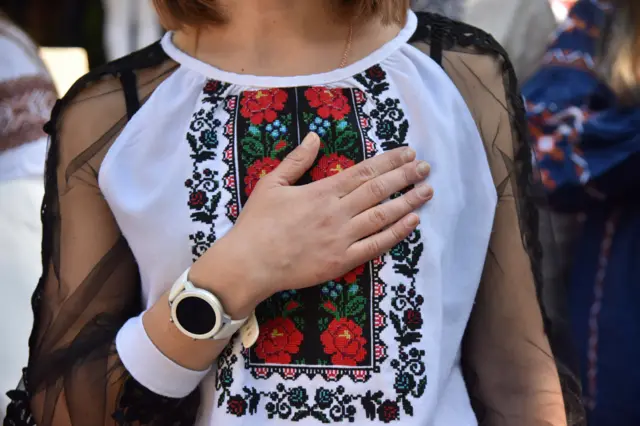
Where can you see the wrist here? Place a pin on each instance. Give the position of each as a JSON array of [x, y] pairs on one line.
[[227, 277]]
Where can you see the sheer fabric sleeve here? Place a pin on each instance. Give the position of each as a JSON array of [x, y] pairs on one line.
[[509, 333], [90, 285]]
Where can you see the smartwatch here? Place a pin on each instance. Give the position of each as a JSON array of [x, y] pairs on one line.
[[198, 313]]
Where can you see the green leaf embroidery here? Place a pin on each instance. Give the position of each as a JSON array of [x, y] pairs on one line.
[[300, 415], [422, 385], [396, 323], [355, 306], [406, 405], [318, 415]]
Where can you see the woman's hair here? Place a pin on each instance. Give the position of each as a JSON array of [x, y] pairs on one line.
[[620, 51], [176, 14]]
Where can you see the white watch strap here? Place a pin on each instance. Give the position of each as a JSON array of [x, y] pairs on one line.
[[179, 285], [229, 328]]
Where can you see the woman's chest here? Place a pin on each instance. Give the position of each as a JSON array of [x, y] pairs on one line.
[[179, 185]]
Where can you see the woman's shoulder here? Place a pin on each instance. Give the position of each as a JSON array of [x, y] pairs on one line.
[[101, 102], [476, 63], [457, 46]]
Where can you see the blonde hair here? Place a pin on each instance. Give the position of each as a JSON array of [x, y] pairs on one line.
[[620, 51], [176, 14]]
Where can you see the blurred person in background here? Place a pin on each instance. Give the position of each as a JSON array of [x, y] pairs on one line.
[[522, 27], [27, 95], [584, 115], [129, 25], [561, 8]]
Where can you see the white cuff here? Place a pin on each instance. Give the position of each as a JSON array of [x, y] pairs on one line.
[[150, 367]]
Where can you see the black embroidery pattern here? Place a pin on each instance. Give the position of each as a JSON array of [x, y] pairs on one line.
[[391, 124], [204, 184], [260, 132]]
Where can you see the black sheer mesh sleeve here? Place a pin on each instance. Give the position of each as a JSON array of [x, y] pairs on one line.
[[90, 284], [509, 331]]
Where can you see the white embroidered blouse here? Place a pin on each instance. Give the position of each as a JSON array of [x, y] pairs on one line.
[[379, 343], [141, 190]]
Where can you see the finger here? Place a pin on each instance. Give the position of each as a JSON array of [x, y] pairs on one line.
[[298, 161], [382, 187], [379, 217], [376, 245], [350, 179]]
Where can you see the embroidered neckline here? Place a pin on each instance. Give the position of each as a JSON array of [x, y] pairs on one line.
[[248, 80]]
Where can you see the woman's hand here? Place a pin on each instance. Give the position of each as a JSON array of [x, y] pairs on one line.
[[290, 237]]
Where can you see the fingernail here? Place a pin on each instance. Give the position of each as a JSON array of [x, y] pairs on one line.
[[423, 168], [413, 220], [311, 138], [425, 191], [408, 154]]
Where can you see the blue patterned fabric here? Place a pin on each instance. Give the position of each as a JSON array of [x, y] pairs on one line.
[[584, 138], [587, 147]]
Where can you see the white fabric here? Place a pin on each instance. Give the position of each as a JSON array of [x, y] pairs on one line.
[[175, 380], [20, 238], [27, 160], [145, 179], [24, 161], [522, 27], [130, 25]]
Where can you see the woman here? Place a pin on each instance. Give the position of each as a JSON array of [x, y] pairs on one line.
[[584, 113], [171, 215], [26, 98]]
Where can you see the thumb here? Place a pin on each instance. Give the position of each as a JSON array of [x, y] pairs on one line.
[[298, 161]]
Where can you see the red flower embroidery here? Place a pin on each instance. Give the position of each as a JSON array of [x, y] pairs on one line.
[[330, 165], [211, 87], [413, 319], [198, 199], [257, 171], [261, 105], [281, 145], [291, 305], [330, 306], [237, 406], [330, 102], [352, 276], [343, 340], [278, 339], [376, 73], [388, 411]]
